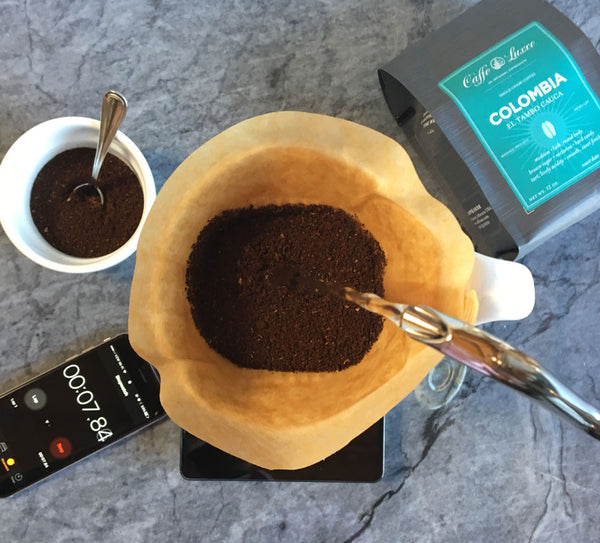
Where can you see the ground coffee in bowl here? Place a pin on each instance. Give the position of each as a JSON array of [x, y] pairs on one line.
[[75, 223], [19, 169]]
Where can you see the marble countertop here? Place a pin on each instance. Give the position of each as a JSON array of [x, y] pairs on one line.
[[490, 466]]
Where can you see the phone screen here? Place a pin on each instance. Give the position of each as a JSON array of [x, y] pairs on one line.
[[362, 460], [73, 410]]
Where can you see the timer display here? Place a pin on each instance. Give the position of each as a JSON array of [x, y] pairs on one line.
[[85, 398], [73, 410]]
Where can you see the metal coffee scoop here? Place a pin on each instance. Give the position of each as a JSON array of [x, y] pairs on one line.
[[114, 108], [468, 345]]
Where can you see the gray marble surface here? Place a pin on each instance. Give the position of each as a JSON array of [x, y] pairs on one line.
[[489, 467]]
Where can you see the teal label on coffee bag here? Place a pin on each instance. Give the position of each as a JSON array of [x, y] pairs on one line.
[[533, 111]]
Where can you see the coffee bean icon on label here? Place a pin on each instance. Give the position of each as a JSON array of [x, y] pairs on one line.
[[549, 129]]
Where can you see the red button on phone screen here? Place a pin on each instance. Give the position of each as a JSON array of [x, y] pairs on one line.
[[60, 447]]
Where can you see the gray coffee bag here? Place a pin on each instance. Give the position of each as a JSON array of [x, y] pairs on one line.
[[502, 106]]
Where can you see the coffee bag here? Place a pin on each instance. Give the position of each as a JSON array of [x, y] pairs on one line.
[[502, 106]]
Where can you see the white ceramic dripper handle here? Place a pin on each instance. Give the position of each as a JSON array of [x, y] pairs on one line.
[[505, 289]]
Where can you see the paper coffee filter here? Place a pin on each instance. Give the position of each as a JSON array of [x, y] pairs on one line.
[[288, 420]]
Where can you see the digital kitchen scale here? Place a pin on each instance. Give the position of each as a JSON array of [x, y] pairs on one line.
[[362, 460]]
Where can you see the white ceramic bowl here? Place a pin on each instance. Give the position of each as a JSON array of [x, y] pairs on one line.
[[20, 167]]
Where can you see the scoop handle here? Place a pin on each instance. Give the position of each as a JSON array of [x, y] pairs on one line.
[[494, 357], [114, 108]]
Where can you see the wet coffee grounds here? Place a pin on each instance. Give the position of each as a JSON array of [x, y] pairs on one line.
[[77, 223], [259, 323]]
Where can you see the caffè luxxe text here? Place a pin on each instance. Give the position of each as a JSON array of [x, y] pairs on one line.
[[528, 98]]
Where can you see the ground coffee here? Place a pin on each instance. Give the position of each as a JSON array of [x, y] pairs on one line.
[[76, 223], [258, 323]]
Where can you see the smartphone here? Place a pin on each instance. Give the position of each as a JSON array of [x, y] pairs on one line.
[[75, 409], [362, 460]]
